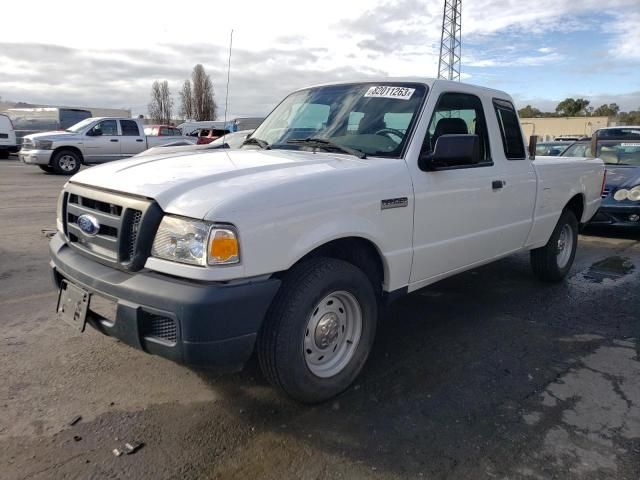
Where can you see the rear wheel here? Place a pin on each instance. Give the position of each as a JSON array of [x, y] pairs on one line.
[[319, 330], [66, 162], [4, 154], [552, 262]]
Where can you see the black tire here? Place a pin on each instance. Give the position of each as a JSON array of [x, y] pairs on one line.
[[46, 168], [280, 345], [66, 162], [546, 261], [4, 154]]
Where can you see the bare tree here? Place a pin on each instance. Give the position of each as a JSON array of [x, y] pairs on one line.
[[186, 101], [204, 106], [161, 106]]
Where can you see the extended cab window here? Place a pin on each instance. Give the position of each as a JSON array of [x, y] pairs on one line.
[[455, 114], [129, 128], [510, 130]]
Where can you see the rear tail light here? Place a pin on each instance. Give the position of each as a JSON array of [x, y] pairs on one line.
[[604, 182]]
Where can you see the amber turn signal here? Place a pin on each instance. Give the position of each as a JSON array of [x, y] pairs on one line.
[[223, 247]]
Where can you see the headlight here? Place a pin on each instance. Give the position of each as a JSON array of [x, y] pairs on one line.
[[195, 242], [42, 144], [621, 194], [634, 194]]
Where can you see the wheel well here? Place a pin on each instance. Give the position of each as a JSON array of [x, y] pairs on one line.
[[359, 252], [576, 205], [73, 149]]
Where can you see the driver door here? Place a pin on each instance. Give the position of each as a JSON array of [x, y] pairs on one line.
[[102, 142], [457, 211]]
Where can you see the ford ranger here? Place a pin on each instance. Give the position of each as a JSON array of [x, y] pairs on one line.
[[93, 140], [346, 196]]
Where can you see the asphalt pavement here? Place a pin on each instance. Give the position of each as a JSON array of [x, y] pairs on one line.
[[490, 374]]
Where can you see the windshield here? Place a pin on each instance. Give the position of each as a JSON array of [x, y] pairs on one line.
[[610, 152], [80, 125], [373, 118]]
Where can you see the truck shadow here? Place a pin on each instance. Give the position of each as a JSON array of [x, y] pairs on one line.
[[454, 368]]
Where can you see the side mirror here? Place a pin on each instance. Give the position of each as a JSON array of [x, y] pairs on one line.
[[533, 143], [594, 145], [452, 151]]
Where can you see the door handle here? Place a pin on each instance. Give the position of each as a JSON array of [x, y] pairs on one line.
[[139, 140], [498, 184], [114, 140]]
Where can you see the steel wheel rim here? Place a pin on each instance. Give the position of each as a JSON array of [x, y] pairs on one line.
[[67, 163], [332, 334], [565, 246]]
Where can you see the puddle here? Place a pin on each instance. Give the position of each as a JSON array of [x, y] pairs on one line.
[[611, 268]]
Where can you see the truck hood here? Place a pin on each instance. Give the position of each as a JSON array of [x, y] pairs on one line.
[[55, 136], [203, 184], [622, 177]]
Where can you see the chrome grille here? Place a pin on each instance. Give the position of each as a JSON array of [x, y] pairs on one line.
[[606, 192], [120, 219], [27, 144]]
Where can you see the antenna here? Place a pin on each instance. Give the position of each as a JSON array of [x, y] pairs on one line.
[[450, 41], [226, 100]]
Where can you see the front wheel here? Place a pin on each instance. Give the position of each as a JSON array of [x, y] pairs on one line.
[[552, 262], [66, 162], [319, 330]]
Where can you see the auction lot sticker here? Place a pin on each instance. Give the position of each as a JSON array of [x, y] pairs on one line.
[[382, 91]]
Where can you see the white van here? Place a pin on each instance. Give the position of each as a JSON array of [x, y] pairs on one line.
[[7, 137]]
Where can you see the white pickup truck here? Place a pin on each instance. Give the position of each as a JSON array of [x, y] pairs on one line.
[[93, 140], [345, 197]]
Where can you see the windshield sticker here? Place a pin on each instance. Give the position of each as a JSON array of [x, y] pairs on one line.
[[400, 93]]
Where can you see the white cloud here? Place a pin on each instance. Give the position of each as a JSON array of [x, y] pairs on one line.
[[278, 45]]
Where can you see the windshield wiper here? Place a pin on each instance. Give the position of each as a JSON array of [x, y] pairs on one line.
[[327, 144], [256, 141]]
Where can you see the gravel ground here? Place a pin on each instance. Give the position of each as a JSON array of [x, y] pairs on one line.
[[489, 374]]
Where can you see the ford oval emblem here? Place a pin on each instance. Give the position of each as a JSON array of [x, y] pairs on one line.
[[89, 225]]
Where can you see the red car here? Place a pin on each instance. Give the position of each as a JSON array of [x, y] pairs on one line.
[[162, 131], [208, 135]]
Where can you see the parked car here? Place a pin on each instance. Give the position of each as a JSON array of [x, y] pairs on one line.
[[551, 149], [346, 197], [162, 131], [208, 135], [28, 121], [7, 137], [231, 140], [93, 140], [193, 128], [620, 151]]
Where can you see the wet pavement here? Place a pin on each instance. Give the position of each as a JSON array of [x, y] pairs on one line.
[[489, 374]]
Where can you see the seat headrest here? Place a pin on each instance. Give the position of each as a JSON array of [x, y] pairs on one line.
[[451, 126]]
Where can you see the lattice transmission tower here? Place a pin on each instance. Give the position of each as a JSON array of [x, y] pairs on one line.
[[451, 41]]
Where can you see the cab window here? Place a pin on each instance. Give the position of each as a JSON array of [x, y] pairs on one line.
[[108, 128], [458, 114]]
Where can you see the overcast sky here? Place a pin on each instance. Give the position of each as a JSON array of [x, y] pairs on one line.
[[83, 53]]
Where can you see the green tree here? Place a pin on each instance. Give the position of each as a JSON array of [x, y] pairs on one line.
[[630, 118], [529, 112], [572, 107], [610, 110]]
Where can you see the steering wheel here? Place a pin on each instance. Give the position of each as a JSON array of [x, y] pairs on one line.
[[390, 131]]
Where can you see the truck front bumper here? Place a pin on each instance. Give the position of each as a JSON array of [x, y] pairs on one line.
[[195, 323], [35, 157]]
